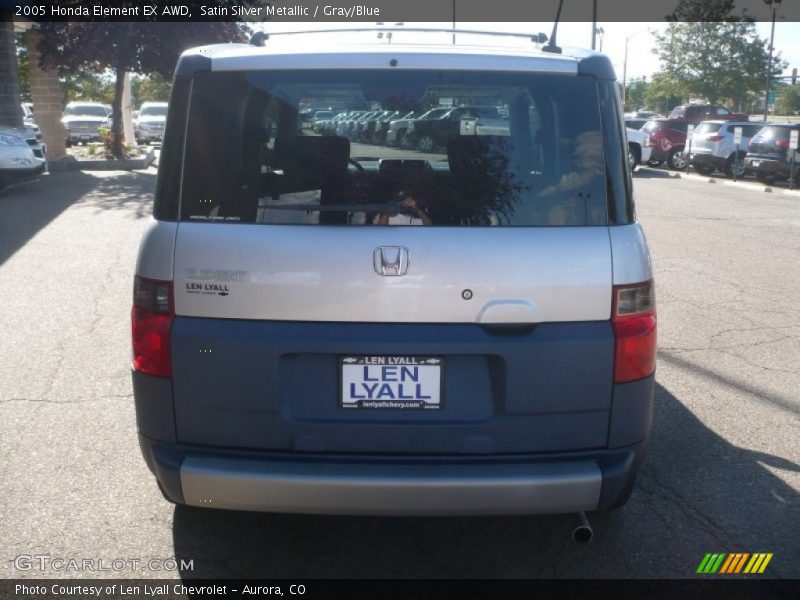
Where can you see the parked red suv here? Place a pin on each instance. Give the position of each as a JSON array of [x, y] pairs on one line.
[[667, 141], [695, 113]]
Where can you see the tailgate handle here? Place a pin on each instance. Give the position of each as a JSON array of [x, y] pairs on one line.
[[511, 314]]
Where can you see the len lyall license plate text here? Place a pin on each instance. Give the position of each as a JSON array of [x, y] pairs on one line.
[[399, 382]]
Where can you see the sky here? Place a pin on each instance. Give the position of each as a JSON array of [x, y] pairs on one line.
[[641, 60]]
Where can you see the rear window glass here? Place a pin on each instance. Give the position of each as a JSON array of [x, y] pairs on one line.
[[708, 127], [681, 126], [652, 126], [774, 132], [750, 130], [250, 158]]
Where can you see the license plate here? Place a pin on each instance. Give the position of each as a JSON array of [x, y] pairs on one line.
[[755, 163], [391, 382]]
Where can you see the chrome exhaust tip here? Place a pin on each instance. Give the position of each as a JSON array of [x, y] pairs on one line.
[[583, 532]]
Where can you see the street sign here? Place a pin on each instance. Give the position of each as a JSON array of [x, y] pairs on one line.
[[793, 138], [687, 152], [737, 141]]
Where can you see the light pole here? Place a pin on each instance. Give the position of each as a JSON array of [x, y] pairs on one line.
[[774, 4], [625, 66], [601, 32]]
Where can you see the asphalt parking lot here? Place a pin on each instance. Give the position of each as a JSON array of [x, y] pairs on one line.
[[722, 475]]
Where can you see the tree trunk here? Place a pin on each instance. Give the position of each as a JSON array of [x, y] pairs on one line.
[[10, 103], [118, 146]]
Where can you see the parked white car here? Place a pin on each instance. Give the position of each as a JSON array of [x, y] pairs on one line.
[[638, 148], [17, 159], [713, 146], [150, 122], [83, 121]]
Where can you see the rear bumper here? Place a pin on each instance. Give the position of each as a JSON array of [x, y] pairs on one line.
[[393, 485], [18, 175], [708, 160], [658, 154], [766, 166]]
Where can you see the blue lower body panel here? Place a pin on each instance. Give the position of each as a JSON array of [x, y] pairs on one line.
[[275, 386]]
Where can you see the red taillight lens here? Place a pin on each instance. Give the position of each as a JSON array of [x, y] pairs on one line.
[[782, 143], [151, 322], [634, 320], [716, 138]]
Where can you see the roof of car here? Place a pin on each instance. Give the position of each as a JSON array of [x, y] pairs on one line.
[[278, 54]]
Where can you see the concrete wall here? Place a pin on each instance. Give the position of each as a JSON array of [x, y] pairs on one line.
[[46, 96]]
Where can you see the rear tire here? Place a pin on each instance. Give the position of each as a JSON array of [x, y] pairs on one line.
[[403, 141], [426, 144], [739, 166], [765, 179], [634, 156], [676, 159], [703, 169]]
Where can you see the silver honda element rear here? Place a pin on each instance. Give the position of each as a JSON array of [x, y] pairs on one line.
[[323, 325]]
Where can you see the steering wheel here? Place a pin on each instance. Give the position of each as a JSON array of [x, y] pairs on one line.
[[356, 164]]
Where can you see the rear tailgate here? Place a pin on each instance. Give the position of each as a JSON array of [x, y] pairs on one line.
[[257, 344]]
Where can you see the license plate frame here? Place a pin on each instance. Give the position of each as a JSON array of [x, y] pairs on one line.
[[428, 387]]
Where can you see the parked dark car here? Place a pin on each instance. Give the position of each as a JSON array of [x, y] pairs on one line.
[[667, 141], [429, 134], [768, 154], [382, 125], [366, 128], [695, 113], [396, 134]]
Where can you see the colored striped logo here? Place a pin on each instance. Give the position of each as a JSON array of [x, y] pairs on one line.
[[736, 562]]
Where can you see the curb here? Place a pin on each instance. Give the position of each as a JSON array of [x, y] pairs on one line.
[[70, 163], [749, 186]]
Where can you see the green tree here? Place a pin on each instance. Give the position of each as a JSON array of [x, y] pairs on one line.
[[716, 61], [10, 108], [141, 47], [87, 86], [22, 63], [636, 94], [789, 100], [153, 88], [664, 93], [705, 11]]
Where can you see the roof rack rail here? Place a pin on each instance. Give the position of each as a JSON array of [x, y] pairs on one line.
[[258, 38]]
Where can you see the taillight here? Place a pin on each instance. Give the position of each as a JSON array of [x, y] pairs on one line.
[[151, 322], [634, 319], [716, 138], [782, 143]]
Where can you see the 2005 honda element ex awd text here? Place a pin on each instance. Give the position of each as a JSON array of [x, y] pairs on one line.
[[325, 325]]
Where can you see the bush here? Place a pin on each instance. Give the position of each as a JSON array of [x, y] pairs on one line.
[[107, 138]]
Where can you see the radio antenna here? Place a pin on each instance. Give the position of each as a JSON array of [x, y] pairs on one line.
[[551, 45]]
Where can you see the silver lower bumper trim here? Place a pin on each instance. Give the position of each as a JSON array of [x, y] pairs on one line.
[[391, 489]]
